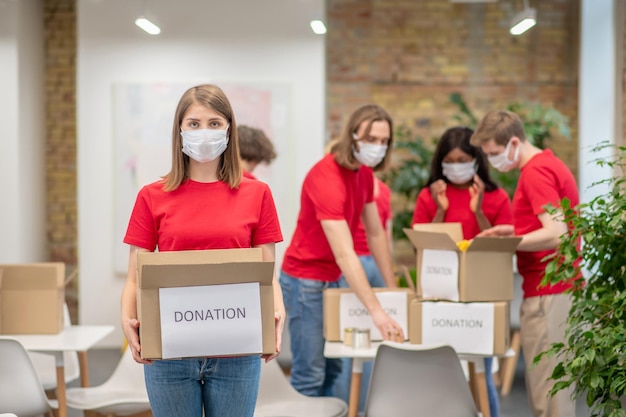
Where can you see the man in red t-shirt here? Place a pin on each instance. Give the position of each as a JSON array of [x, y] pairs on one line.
[[254, 148], [544, 180]]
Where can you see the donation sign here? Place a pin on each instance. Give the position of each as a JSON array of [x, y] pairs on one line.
[[439, 274], [211, 320], [352, 313], [467, 327]]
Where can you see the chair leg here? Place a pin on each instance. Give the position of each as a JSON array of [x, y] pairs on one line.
[[507, 370]]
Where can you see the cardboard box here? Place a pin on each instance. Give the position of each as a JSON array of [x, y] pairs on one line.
[[397, 306], [484, 272], [467, 327], [32, 297], [210, 271]]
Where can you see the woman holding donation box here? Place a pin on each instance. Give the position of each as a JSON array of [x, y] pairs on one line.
[[460, 190], [202, 203], [337, 193]]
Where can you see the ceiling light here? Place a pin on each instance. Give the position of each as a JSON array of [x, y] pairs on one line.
[[523, 21], [318, 27], [148, 26]]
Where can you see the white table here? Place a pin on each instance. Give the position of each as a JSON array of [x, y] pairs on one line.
[[477, 381], [79, 338]]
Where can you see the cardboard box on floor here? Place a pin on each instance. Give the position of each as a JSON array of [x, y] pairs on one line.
[[333, 332], [472, 328], [32, 298], [485, 269], [199, 269]]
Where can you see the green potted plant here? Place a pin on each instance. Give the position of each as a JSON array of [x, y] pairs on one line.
[[593, 357]]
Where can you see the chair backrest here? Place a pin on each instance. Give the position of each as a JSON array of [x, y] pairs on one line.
[[274, 384], [412, 378], [20, 390], [123, 393]]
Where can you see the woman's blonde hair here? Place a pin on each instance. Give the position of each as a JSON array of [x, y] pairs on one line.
[[499, 125], [229, 169], [343, 147]]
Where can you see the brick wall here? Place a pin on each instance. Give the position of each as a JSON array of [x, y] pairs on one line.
[[409, 56], [60, 84]]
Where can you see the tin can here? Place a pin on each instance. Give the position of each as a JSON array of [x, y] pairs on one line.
[[348, 336], [362, 339]]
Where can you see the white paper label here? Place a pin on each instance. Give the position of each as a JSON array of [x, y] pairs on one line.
[[211, 320], [467, 327], [439, 274], [352, 313]]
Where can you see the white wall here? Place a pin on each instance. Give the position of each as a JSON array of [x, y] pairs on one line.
[[239, 41], [600, 90], [22, 212]]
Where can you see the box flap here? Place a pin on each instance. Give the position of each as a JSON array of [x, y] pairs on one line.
[[431, 240], [453, 229], [33, 276], [199, 256], [167, 276], [494, 244]]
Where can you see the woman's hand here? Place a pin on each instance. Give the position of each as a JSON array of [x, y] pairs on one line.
[[131, 331], [438, 191], [476, 190], [279, 322]]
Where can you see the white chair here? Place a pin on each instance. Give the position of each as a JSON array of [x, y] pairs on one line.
[[45, 364], [123, 394], [20, 390], [414, 379], [7, 415], [278, 398]]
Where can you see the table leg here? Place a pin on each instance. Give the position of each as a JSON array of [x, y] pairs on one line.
[[84, 370], [61, 397], [478, 385], [355, 387]]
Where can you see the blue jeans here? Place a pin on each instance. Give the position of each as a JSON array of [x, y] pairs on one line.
[[311, 373], [224, 387], [492, 393], [341, 389]]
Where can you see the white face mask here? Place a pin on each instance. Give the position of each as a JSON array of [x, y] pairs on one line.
[[369, 154], [459, 172], [501, 162], [204, 145]]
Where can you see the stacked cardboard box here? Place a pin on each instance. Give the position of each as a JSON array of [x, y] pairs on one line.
[[32, 297], [462, 295]]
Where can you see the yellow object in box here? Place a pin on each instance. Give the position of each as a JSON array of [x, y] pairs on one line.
[[463, 244]]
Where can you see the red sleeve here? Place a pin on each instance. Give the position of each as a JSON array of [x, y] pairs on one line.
[[425, 207], [268, 228], [326, 193], [503, 213], [142, 231], [383, 202]]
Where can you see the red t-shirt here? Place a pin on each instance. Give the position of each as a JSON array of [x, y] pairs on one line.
[[199, 216], [496, 207], [329, 192], [544, 179], [383, 204]]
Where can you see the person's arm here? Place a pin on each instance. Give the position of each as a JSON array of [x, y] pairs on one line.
[[130, 324], [339, 238], [269, 254], [547, 237], [378, 243], [438, 191]]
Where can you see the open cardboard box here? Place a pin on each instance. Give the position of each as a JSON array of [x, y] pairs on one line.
[[32, 297], [472, 328], [396, 306], [484, 272], [157, 270]]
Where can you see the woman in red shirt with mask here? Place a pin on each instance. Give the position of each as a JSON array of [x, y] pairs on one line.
[[460, 190]]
